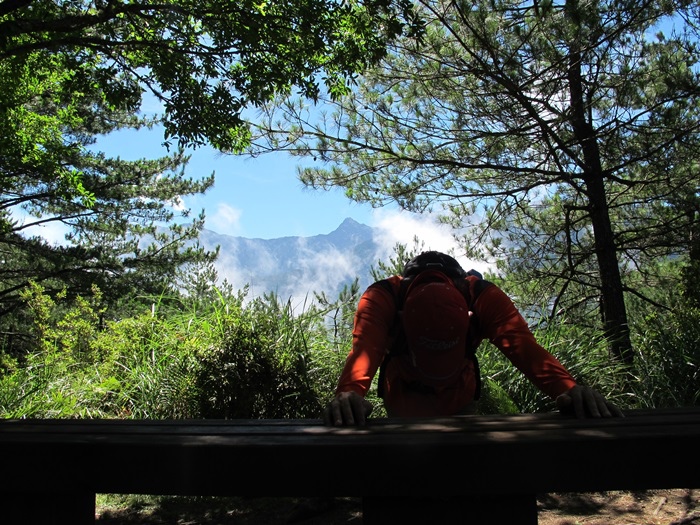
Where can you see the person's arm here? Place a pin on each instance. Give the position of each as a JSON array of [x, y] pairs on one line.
[[505, 327], [374, 319]]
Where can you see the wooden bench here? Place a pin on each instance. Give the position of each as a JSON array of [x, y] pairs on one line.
[[406, 471]]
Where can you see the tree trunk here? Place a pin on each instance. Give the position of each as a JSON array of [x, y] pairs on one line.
[[613, 310], [691, 271]]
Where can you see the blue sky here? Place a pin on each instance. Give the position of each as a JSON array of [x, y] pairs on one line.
[[263, 198], [252, 197]]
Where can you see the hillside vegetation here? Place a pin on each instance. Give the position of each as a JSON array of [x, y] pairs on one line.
[[218, 353]]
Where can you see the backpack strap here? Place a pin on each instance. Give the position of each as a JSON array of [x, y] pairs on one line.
[[397, 335]]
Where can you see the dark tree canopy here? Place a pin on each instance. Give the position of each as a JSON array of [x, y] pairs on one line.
[[206, 61]]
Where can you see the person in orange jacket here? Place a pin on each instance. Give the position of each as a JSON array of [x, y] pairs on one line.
[[426, 351]]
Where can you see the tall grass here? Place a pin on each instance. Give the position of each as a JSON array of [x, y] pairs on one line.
[[226, 358], [667, 363], [236, 357]]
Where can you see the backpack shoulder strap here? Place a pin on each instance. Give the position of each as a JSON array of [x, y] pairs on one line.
[[397, 290], [394, 287], [474, 290], [476, 287]]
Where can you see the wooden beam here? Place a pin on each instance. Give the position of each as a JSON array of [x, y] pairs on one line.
[[491, 455]]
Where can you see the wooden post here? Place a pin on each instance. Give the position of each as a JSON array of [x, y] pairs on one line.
[[47, 509], [482, 509]]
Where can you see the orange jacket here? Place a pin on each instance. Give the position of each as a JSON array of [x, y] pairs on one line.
[[499, 322]]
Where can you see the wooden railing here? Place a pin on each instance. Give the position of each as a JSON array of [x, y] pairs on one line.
[[406, 471]]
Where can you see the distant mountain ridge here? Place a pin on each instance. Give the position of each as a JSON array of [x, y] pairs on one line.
[[297, 266]]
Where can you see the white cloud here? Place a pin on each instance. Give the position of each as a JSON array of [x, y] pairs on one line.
[[402, 227], [178, 204], [226, 219], [52, 232], [316, 269]]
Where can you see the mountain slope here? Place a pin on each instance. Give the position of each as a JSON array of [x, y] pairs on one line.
[[297, 266]]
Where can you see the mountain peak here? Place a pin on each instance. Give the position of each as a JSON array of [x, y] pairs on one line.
[[352, 226], [349, 222]]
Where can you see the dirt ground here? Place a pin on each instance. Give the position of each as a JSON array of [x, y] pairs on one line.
[[654, 507]]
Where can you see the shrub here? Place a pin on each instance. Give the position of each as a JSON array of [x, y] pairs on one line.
[[260, 368]]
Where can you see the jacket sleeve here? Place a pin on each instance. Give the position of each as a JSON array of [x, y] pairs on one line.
[[506, 328], [371, 337]]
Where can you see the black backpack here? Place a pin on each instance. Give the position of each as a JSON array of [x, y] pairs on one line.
[[441, 262]]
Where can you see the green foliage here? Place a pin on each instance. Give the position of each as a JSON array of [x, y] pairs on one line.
[[205, 61], [149, 364], [495, 399], [225, 360], [59, 379], [667, 371], [122, 231], [218, 354], [690, 273], [260, 368]]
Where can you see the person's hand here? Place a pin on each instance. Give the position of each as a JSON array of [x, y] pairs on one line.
[[347, 408], [584, 401]]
